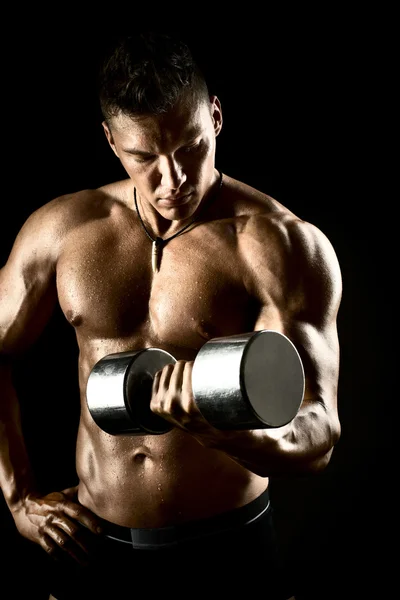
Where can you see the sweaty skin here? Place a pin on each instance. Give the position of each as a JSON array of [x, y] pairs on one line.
[[246, 264]]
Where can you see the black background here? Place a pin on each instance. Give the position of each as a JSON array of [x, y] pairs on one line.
[[303, 115]]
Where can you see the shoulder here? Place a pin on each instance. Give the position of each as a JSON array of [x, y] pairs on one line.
[[277, 245], [48, 226], [69, 210], [314, 268], [261, 217]]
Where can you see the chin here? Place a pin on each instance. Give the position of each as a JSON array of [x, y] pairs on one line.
[[178, 213]]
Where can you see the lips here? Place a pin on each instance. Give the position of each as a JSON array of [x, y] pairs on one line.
[[174, 200]]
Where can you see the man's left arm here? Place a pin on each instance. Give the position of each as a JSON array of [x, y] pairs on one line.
[[303, 305], [308, 309]]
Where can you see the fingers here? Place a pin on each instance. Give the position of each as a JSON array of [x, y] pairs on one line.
[[64, 527], [172, 396], [82, 515], [162, 379], [60, 537], [170, 378], [71, 492], [187, 388], [58, 504]]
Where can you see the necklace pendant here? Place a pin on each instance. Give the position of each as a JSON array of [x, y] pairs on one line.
[[156, 252]]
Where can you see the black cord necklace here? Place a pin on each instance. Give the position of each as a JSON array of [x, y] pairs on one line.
[[158, 242]]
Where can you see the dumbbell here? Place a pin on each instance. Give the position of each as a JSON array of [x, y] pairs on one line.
[[247, 381]]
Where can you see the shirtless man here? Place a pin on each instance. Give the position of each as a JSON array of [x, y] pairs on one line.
[[193, 501]]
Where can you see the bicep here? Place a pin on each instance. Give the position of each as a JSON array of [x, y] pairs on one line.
[[308, 307], [319, 350], [27, 296], [313, 324]]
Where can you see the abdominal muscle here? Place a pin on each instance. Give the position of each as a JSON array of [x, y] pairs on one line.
[[157, 480]]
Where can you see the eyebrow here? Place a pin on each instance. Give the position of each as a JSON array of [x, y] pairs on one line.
[[138, 152], [193, 134]]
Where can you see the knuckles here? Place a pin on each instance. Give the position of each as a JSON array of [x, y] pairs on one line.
[[172, 394]]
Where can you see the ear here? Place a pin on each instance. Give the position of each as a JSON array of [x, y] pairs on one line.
[[109, 137], [216, 114]]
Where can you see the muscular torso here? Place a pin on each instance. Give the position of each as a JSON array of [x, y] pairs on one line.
[[108, 292]]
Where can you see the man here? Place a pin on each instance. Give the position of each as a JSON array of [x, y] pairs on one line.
[[189, 506]]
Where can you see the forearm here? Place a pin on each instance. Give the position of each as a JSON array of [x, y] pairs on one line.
[[303, 446], [16, 476]]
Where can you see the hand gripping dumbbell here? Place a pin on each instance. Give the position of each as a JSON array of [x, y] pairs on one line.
[[247, 381]]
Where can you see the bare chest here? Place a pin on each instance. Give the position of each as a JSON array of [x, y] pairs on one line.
[[107, 289]]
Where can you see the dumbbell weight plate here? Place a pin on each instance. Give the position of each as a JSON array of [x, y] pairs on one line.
[[249, 381], [118, 392]]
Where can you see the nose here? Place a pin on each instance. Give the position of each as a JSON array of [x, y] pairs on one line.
[[172, 174]]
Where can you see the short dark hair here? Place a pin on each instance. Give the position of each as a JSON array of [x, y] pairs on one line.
[[148, 73]]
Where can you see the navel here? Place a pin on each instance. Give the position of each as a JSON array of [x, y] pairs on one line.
[[140, 454], [139, 458]]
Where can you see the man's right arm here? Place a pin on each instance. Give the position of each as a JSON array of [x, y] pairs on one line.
[[27, 299]]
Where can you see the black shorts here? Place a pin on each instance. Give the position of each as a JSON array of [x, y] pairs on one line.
[[233, 552]]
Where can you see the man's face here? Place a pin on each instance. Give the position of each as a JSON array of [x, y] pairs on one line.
[[170, 158]]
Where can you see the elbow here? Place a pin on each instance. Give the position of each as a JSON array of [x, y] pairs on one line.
[[319, 463], [319, 455], [334, 434]]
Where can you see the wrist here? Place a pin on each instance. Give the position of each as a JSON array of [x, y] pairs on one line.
[[16, 500]]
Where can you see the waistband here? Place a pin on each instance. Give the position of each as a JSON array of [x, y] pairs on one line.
[[175, 534]]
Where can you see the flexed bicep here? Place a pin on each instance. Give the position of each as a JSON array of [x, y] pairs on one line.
[[300, 291], [313, 321]]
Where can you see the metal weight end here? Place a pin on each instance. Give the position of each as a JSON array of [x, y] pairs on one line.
[[105, 393], [272, 378], [118, 392], [248, 381]]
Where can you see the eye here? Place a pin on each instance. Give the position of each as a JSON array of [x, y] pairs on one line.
[[143, 159], [192, 147]]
